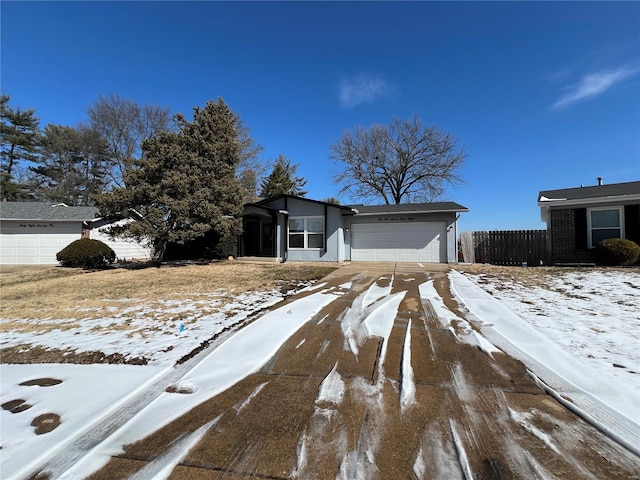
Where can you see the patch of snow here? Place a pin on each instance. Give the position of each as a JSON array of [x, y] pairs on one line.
[[460, 451], [524, 420], [87, 394], [376, 292], [408, 387], [447, 318], [380, 318], [332, 388], [436, 457]]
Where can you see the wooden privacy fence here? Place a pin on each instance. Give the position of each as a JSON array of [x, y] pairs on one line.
[[512, 247]]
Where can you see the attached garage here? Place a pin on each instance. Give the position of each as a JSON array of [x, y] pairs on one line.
[[31, 233], [414, 232], [399, 242], [36, 242]]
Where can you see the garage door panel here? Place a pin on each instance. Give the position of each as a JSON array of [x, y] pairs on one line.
[[399, 242], [24, 243]]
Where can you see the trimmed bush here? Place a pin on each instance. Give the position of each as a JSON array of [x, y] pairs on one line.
[[617, 251], [86, 253]]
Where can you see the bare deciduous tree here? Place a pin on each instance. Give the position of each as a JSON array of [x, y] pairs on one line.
[[404, 161], [125, 125]]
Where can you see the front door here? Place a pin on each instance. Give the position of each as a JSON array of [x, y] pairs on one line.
[[258, 237]]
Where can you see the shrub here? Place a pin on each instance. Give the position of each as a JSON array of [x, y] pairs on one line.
[[617, 251], [86, 253]]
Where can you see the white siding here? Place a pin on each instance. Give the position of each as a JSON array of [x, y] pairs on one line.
[[124, 249], [399, 242]]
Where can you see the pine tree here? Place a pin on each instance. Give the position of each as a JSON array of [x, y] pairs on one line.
[[19, 131], [73, 166], [185, 184], [282, 180]]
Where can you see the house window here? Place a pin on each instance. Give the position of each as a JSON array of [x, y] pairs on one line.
[[306, 232], [604, 223]]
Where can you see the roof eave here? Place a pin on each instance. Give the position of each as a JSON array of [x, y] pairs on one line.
[[87, 219], [586, 201], [413, 212]]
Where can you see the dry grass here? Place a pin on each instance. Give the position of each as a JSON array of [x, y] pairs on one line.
[[59, 293], [529, 277]]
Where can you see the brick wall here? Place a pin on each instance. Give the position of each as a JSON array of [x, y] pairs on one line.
[[563, 238]]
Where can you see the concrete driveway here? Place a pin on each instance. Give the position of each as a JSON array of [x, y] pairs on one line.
[[346, 397]]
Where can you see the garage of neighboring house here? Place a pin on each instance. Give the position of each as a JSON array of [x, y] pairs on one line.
[[32, 233]]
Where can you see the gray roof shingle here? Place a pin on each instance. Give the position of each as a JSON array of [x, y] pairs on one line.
[[45, 211], [435, 207], [596, 191]]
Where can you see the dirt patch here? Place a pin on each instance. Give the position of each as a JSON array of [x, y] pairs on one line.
[[27, 354], [16, 406], [45, 423], [41, 382]]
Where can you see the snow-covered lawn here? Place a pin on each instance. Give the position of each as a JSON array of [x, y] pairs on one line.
[[136, 333], [589, 320], [579, 330], [594, 315]]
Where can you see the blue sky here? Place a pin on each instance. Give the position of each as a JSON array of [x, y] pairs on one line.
[[543, 95]]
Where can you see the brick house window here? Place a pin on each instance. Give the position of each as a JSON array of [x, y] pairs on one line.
[[604, 223], [306, 232]]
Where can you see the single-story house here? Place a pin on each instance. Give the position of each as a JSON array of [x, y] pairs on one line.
[[579, 218], [294, 228], [33, 232]]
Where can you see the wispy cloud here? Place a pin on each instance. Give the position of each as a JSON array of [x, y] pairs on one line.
[[595, 84], [363, 88]]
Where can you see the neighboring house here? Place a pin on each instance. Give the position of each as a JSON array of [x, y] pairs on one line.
[[293, 228], [33, 232], [125, 249], [579, 218]]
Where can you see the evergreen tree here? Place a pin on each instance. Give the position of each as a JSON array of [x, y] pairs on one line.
[[282, 180], [19, 131], [185, 184], [73, 166]]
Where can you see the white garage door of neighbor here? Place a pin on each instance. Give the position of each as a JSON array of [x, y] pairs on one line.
[[36, 242], [399, 242]]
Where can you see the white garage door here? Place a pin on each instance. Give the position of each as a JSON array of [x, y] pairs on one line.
[[36, 242], [399, 242]]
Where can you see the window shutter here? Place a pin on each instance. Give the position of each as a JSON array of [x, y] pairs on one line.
[[581, 233]]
